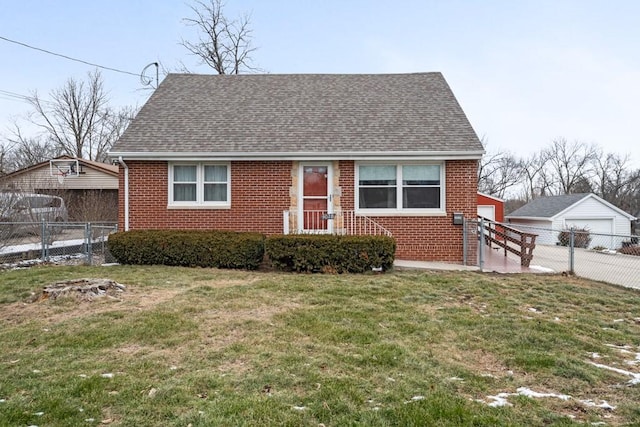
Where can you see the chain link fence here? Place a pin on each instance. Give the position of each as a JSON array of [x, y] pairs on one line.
[[55, 241], [611, 258]]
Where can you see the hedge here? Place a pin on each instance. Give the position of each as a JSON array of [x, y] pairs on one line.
[[189, 248], [330, 253]]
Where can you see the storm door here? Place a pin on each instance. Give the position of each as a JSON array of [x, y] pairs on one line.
[[316, 210]]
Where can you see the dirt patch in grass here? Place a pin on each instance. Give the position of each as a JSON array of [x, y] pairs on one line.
[[132, 298]]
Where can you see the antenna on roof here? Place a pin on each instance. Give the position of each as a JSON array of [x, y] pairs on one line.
[[146, 80]]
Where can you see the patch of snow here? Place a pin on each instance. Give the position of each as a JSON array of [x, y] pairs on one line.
[[499, 399], [524, 391], [618, 320], [82, 376], [619, 347], [557, 319], [456, 379], [604, 404], [38, 414], [391, 379], [541, 268], [635, 361], [534, 310], [108, 375], [299, 408], [635, 378], [38, 246], [416, 398], [2, 400], [595, 356], [90, 420]]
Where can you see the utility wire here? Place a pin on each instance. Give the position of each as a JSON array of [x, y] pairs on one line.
[[68, 57]]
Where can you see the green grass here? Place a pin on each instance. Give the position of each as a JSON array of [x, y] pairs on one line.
[[213, 347]]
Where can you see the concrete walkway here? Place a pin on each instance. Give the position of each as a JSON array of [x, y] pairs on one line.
[[431, 265], [617, 269]]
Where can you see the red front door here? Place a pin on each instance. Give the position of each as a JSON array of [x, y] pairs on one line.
[[316, 206]]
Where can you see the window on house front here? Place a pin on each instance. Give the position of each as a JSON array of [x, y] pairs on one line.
[[400, 187], [199, 184]]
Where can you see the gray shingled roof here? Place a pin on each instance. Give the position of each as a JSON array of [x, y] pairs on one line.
[[547, 207], [301, 113]]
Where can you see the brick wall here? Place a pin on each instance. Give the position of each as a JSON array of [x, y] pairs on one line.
[[427, 237], [260, 192], [259, 195]]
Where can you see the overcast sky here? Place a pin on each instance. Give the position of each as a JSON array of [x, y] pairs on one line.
[[525, 72]]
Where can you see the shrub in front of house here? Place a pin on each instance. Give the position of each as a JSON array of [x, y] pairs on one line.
[[188, 248], [330, 253], [581, 238]]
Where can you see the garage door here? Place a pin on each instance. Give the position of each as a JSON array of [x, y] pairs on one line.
[[601, 230], [487, 211]]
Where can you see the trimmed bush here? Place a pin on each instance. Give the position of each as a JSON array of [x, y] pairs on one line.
[[188, 248], [581, 238], [330, 253]]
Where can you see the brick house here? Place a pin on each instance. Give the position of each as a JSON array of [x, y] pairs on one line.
[[352, 154]]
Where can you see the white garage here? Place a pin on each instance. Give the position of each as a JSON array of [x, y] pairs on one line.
[[608, 225]]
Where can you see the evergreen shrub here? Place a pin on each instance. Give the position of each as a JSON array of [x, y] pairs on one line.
[[330, 253], [189, 248]]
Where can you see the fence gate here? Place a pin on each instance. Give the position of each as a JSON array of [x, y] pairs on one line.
[[470, 242]]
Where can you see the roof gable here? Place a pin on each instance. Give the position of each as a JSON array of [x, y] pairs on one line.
[[102, 167], [301, 113], [553, 206]]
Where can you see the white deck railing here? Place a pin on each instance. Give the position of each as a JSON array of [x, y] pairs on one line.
[[322, 222]]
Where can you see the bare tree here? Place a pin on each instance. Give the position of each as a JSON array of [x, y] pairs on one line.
[[568, 163], [498, 172], [76, 120], [4, 160], [534, 180], [28, 150], [224, 45]]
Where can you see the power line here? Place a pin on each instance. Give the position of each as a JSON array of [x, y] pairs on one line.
[[68, 57], [7, 94]]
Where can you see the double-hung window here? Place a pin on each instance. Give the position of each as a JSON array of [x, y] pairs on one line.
[[199, 185], [396, 188]]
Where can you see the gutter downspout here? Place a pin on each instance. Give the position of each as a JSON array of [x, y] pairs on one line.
[[126, 193]]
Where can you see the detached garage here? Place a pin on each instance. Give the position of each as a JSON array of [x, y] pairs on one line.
[[490, 207], [546, 216]]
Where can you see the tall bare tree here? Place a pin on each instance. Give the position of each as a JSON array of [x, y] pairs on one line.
[[569, 163], [28, 150], [224, 45], [76, 119], [498, 172]]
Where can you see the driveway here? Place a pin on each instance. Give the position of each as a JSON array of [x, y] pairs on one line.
[[623, 270]]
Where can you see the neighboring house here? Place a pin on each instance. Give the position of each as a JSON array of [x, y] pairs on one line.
[[546, 216], [490, 207], [353, 154], [90, 195]]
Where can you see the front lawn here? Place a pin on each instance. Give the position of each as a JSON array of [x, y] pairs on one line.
[[205, 347]]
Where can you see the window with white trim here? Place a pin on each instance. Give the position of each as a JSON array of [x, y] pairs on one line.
[[199, 184], [400, 187]]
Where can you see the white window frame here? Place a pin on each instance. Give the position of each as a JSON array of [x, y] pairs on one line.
[[199, 203], [399, 210]]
